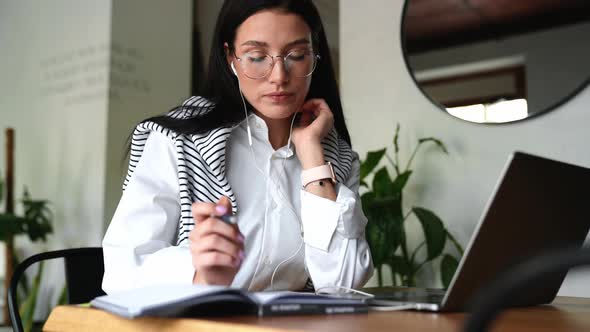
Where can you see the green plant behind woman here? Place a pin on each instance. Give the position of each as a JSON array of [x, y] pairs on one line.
[[386, 229]]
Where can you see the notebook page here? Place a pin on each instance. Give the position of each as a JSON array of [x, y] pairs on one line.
[[137, 300], [301, 297]]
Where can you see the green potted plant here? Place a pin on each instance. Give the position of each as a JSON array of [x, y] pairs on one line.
[[386, 228]]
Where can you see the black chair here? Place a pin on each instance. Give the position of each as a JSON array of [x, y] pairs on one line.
[[84, 268], [488, 303]]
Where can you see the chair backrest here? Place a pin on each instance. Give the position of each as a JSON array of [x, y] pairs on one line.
[[84, 269]]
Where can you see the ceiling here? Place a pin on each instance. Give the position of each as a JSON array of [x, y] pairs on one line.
[[433, 24]]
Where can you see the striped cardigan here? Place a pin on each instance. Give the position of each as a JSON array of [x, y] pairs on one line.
[[201, 161]]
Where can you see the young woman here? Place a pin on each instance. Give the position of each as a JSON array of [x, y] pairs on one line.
[[267, 143]]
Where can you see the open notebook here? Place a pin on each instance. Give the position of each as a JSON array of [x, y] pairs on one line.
[[195, 300]]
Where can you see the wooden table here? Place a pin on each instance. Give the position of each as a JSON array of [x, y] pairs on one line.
[[565, 314]]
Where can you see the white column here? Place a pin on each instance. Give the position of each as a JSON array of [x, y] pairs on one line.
[[75, 77]]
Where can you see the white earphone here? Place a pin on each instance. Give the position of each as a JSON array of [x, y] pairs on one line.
[[234, 69]]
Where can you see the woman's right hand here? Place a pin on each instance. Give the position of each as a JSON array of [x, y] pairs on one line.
[[217, 248]]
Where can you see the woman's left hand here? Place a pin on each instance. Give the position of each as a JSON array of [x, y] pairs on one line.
[[315, 123]]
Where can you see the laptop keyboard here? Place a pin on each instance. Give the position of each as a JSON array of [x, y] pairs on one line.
[[411, 295]]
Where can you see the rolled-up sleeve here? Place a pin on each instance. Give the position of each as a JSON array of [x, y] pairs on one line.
[[336, 251], [138, 246]]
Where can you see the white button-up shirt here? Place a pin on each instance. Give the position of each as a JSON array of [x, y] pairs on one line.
[[288, 232]]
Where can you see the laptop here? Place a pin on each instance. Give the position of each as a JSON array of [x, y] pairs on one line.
[[538, 204]]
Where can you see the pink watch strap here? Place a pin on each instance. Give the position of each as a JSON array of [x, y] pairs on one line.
[[317, 173]]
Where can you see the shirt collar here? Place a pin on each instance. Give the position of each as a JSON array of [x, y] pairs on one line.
[[259, 130]]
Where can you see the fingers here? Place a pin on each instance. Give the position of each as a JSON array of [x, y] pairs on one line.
[[306, 119], [319, 108], [226, 203], [216, 250], [203, 210], [214, 258], [326, 115], [215, 243], [314, 106], [214, 226]]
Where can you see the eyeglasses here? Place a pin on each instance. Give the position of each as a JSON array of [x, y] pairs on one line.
[[298, 63]]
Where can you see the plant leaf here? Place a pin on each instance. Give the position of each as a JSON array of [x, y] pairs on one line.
[[369, 164], [367, 201], [63, 296], [400, 182], [387, 211], [396, 138], [382, 184], [10, 225], [448, 266], [384, 227], [400, 265], [23, 283], [455, 243], [37, 218], [394, 232], [434, 232], [376, 240], [27, 309], [438, 142], [374, 231]]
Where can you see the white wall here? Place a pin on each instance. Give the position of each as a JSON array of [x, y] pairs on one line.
[[378, 93], [53, 89], [150, 73], [206, 12], [75, 76]]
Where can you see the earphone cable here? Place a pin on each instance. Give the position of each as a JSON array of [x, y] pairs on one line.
[[274, 182]]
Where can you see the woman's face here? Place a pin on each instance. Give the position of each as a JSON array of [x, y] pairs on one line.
[[280, 93]]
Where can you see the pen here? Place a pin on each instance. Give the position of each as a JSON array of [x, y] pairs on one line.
[[228, 219]]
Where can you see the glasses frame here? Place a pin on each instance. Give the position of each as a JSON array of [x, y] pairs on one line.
[[316, 58]]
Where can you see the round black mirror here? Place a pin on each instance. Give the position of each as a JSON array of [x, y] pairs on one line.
[[497, 61]]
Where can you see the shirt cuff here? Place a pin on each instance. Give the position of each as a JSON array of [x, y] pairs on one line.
[[321, 217], [169, 265]]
